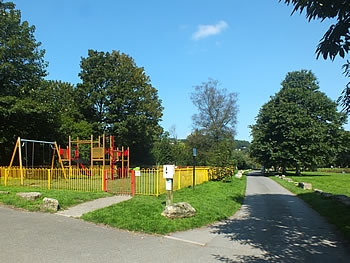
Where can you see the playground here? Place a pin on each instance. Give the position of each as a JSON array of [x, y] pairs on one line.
[[89, 165]]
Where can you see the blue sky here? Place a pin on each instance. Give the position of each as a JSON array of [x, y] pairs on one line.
[[248, 46]]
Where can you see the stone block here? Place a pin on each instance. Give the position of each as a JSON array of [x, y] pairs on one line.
[[50, 204], [29, 195], [179, 210], [4, 192], [318, 191], [305, 186]]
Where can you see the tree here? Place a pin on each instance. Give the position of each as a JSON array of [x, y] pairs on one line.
[[22, 68], [62, 102], [298, 127], [336, 41], [217, 108], [215, 123], [118, 99]]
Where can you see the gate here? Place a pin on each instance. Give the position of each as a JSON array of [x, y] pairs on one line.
[[119, 182]]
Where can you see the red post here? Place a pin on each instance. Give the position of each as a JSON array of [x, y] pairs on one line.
[[105, 181], [132, 182]]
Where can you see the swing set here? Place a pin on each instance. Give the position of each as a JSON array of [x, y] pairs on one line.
[[31, 154], [34, 155]]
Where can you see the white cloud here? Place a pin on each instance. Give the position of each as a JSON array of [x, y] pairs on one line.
[[209, 30]]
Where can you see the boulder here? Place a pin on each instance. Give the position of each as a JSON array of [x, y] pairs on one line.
[[4, 192], [318, 191], [305, 186], [50, 204], [29, 195], [239, 174], [179, 210]]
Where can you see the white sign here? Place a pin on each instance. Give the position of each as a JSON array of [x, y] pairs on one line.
[[169, 184], [137, 173], [168, 171]]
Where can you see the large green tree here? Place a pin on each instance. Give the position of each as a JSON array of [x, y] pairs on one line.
[[215, 123], [61, 101], [298, 127], [336, 41], [22, 68], [117, 98]]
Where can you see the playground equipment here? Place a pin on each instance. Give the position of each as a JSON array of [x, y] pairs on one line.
[[29, 148], [34, 156], [100, 152]]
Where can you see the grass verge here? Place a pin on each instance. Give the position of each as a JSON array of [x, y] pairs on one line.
[[335, 212], [213, 201], [65, 198]]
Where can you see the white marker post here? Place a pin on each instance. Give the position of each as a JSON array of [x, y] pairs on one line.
[[168, 174]]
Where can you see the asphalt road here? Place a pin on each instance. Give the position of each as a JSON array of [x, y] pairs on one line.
[[272, 226]]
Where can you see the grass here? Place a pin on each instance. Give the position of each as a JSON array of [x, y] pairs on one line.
[[213, 201], [335, 212], [65, 198]]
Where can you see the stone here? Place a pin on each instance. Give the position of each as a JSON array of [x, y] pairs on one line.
[[239, 175], [4, 192], [29, 195], [326, 195], [50, 204], [318, 191], [305, 186], [342, 199], [179, 210]]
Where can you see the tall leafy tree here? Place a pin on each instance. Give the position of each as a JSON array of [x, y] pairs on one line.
[[215, 123], [298, 127], [22, 68], [117, 98], [60, 99], [336, 41]]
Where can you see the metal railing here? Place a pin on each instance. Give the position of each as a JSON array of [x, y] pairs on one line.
[[146, 182]]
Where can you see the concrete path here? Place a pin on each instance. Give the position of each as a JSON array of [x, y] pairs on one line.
[[272, 226], [79, 210]]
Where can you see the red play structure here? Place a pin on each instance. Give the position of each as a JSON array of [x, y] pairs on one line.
[[86, 154]]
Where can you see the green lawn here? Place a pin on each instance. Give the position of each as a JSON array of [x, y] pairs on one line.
[[213, 201], [335, 183], [65, 198]]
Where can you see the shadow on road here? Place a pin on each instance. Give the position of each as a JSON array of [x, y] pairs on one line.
[[279, 229]]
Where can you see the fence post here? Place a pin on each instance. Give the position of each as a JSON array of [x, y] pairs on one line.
[[102, 173], [49, 179], [6, 176], [157, 182], [133, 182]]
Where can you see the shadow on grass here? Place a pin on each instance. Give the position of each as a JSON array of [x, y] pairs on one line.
[[280, 228]]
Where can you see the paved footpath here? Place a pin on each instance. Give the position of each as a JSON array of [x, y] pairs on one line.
[[272, 226]]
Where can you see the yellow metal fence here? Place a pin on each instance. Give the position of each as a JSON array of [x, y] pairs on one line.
[[145, 182]]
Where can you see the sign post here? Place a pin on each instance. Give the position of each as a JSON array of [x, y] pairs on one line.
[[194, 167], [168, 174]]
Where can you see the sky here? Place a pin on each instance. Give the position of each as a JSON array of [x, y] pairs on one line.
[[248, 46]]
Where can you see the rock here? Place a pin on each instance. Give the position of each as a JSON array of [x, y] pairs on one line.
[[239, 175], [318, 191], [50, 204], [326, 195], [342, 198], [4, 192], [305, 186], [179, 210], [29, 195]]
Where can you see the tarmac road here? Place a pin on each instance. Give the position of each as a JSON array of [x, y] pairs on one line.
[[272, 226]]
